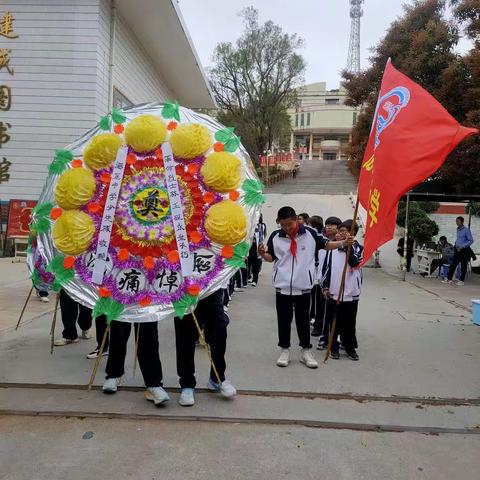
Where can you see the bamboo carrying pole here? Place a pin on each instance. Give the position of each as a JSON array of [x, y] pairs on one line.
[[24, 307], [99, 357], [135, 353], [342, 284], [54, 322], [207, 348]]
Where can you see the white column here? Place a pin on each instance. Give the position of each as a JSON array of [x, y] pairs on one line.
[[310, 157], [291, 141]]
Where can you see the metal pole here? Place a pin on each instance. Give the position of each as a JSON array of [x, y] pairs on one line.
[[405, 240], [470, 207]]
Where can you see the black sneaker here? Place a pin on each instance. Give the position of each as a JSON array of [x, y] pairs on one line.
[[335, 355], [352, 355], [322, 345], [316, 333]]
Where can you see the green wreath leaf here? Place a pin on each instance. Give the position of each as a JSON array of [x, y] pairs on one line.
[[105, 123], [232, 144], [185, 303], [224, 135], [118, 115]]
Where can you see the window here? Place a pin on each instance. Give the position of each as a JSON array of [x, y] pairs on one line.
[[120, 100], [329, 156], [308, 119], [302, 120], [332, 101], [354, 118], [296, 120]]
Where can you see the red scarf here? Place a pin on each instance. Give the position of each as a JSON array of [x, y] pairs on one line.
[[293, 241]]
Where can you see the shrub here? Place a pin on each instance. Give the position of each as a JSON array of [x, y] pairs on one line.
[[422, 229]]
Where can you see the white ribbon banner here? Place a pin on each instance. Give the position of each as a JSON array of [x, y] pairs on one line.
[[108, 216], [176, 209]]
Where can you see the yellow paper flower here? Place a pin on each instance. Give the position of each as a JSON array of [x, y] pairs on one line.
[[226, 223], [72, 233], [145, 133], [190, 140], [102, 150], [75, 188], [221, 171]]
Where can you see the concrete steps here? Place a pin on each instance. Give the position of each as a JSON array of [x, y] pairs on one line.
[[319, 177]]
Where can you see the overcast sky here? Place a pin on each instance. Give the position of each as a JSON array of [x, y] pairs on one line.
[[323, 24]]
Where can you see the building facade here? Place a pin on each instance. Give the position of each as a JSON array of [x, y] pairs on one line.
[[322, 123], [66, 63]]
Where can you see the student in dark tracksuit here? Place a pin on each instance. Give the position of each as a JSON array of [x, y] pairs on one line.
[[147, 354], [346, 310], [213, 320], [254, 259], [293, 249], [317, 302], [73, 312]]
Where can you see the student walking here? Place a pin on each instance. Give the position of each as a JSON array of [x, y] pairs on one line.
[[293, 249]]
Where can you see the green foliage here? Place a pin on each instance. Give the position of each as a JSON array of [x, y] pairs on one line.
[[254, 82], [423, 229], [253, 190], [240, 252], [62, 274], [59, 164], [186, 304], [105, 123], [109, 307], [40, 215], [171, 110], [429, 207], [413, 212], [118, 116], [224, 135]]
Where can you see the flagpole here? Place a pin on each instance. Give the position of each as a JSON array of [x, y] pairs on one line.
[[342, 283], [405, 240]]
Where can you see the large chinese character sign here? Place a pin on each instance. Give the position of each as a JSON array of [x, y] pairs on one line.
[[147, 213]]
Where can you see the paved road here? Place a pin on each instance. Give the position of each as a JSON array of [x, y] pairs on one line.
[[418, 374]]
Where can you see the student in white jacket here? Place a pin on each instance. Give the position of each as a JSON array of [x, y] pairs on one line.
[[293, 250], [346, 311]]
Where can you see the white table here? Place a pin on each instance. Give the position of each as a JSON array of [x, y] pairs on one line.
[[425, 258]]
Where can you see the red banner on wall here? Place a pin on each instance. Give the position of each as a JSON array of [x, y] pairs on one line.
[[19, 217]]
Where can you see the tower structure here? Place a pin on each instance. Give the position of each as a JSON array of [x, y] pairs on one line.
[[356, 13]]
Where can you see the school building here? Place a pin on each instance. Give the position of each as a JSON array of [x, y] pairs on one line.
[[322, 123], [66, 63]]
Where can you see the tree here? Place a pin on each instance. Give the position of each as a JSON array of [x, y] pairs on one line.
[[420, 44], [461, 171], [255, 82]]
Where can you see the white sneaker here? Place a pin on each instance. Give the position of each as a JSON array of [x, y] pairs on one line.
[[446, 280], [284, 358], [111, 385], [157, 395], [254, 284], [307, 358], [186, 397], [226, 389], [86, 334], [61, 342], [44, 299], [459, 283], [94, 354]]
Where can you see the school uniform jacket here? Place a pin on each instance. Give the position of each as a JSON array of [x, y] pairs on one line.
[[333, 270], [294, 275]]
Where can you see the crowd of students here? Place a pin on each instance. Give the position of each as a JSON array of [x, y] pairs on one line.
[[308, 262]]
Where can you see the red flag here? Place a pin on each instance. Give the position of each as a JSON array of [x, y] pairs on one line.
[[411, 136]]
